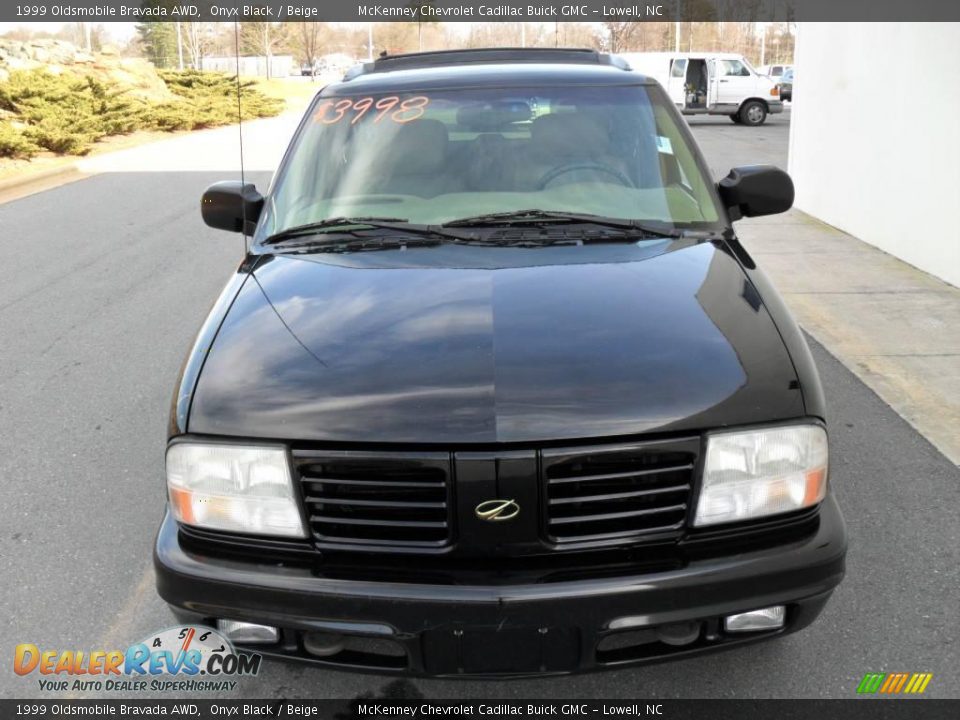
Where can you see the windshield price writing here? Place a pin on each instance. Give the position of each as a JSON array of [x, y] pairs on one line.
[[391, 107]]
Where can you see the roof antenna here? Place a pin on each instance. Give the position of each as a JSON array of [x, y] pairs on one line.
[[243, 179]]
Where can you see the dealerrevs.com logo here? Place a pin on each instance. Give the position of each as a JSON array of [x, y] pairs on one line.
[[187, 658], [894, 683]]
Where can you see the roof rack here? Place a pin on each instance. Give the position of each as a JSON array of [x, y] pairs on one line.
[[442, 58]]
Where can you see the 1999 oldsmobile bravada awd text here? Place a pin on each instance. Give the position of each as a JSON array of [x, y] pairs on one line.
[[496, 390]]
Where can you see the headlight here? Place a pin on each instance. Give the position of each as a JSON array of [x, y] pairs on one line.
[[233, 488], [762, 472]]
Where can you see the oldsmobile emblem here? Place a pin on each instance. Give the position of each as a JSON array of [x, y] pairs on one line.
[[497, 510]]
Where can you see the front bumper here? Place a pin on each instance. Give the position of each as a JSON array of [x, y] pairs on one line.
[[530, 629], [775, 106]]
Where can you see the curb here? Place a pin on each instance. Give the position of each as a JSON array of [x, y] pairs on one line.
[[32, 177], [19, 186]]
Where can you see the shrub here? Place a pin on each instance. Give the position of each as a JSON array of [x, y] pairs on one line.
[[13, 144], [67, 114], [213, 97]]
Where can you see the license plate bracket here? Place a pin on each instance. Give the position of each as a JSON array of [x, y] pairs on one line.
[[500, 650]]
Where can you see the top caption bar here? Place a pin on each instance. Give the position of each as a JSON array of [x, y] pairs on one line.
[[478, 11]]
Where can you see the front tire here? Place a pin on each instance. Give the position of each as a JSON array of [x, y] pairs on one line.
[[753, 112]]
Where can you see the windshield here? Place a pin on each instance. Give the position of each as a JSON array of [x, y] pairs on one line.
[[437, 156]]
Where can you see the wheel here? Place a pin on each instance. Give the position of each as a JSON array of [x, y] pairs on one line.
[[753, 112], [736, 118]]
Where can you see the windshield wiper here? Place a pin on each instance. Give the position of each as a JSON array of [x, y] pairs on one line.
[[355, 225], [550, 217], [352, 243], [350, 234]]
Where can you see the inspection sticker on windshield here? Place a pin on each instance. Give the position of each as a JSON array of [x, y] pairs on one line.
[[663, 145], [391, 107]]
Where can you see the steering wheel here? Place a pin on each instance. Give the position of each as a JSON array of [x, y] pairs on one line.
[[552, 175]]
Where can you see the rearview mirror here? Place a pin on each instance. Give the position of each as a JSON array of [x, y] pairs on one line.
[[755, 190], [232, 205]]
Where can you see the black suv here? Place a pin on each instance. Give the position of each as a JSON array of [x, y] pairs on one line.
[[496, 390]]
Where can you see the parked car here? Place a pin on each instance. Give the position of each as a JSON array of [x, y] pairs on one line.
[[701, 83], [774, 71], [496, 390], [786, 86]]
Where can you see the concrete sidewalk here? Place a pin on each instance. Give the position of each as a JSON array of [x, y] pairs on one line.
[[894, 326]]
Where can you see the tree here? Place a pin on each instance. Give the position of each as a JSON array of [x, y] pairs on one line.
[[262, 38], [493, 34], [198, 39], [305, 41], [159, 41], [395, 37], [571, 34], [620, 35]]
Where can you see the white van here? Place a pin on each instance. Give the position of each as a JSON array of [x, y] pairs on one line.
[[711, 83]]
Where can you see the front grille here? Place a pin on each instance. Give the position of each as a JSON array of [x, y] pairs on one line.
[[617, 494], [590, 498], [376, 500]]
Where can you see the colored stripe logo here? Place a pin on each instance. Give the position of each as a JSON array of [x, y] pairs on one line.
[[894, 683]]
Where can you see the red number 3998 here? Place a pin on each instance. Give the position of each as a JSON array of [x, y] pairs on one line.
[[392, 107]]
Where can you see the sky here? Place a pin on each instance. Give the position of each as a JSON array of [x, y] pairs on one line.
[[119, 31]]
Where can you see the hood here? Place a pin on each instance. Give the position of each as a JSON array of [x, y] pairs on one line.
[[494, 345]]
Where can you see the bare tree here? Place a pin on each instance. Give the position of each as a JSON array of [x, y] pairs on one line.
[[305, 40], [396, 37], [198, 39], [262, 38], [619, 36], [493, 34], [574, 34]]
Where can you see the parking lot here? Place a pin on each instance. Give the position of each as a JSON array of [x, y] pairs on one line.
[[107, 280]]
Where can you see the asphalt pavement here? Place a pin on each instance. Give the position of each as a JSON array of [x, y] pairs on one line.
[[107, 280]]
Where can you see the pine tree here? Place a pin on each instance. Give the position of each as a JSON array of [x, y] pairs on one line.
[[159, 43]]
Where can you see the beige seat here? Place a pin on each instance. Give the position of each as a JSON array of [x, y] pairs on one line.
[[414, 163]]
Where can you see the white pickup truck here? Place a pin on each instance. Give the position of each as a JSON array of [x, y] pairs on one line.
[[711, 83]]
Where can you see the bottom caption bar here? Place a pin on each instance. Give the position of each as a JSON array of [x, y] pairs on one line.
[[422, 708]]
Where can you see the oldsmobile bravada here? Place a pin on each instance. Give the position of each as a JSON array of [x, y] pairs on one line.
[[496, 390]]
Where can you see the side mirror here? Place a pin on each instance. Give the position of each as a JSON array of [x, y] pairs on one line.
[[232, 205], [755, 190]]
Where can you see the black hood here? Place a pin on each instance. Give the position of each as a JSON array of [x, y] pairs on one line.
[[455, 345]]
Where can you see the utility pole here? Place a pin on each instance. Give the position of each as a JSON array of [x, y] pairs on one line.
[[179, 46], [676, 28], [763, 45], [267, 45], [370, 42], [523, 34]]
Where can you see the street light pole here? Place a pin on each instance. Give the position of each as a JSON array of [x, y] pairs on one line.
[[179, 47]]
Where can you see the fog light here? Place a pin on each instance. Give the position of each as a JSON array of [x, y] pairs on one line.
[[248, 633], [769, 618], [323, 644]]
